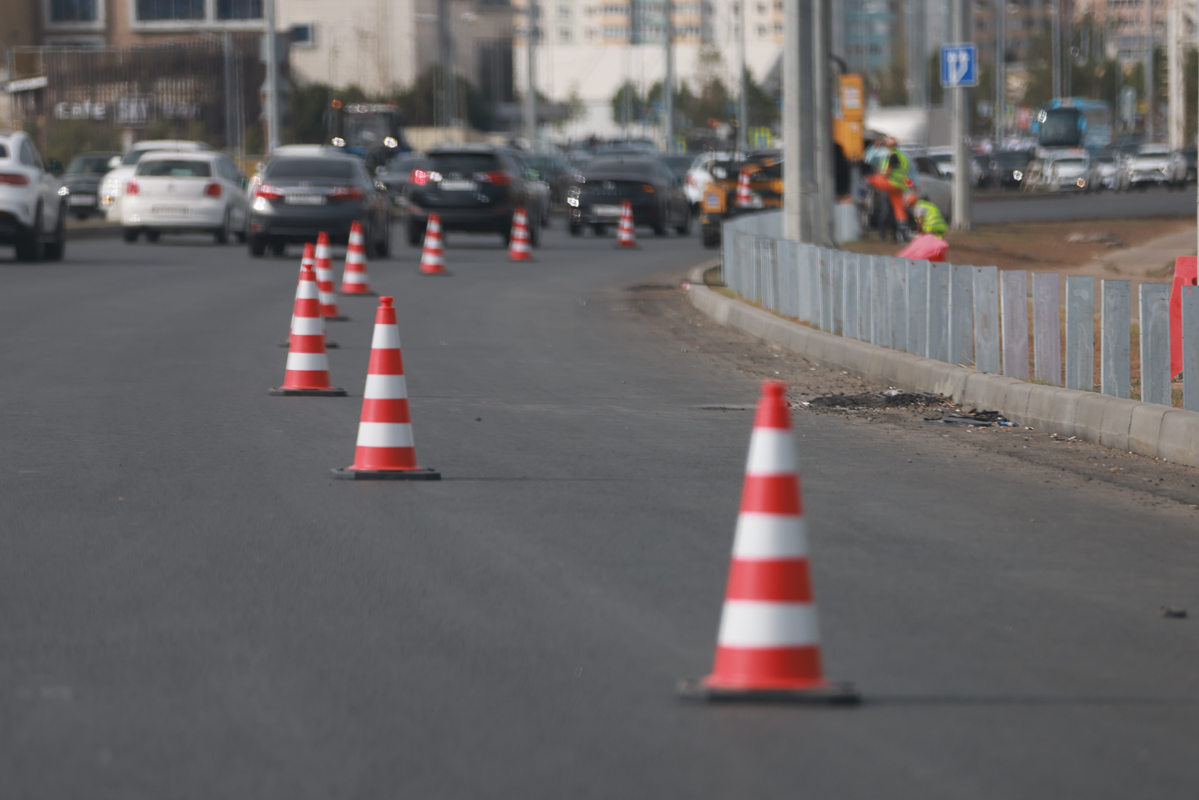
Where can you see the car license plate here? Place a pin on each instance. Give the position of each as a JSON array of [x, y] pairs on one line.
[[179, 211], [305, 199], [606, 211], [82, 200], [457, 186]]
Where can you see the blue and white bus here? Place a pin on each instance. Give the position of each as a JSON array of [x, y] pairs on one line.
[[1073, 122]]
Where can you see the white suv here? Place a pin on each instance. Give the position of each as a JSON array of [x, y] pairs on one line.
[[122, 169], [32, 211]]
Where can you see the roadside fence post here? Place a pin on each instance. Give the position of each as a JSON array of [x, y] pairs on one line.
[[1190, 348], [880, 331], [1013, 308], [937, 312], [1155, 343], [961, 315], [986, 319], [917, 306], [826, 290], [849, 296], [1047, 328], [770, 278], [898, 302], [864, 315], [1080, 332], [1114, 347], [838, 260], [814, 287], [785, 251]]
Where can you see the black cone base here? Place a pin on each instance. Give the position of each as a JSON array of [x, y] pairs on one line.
[[420, 474], [829, 694], [308, 392]]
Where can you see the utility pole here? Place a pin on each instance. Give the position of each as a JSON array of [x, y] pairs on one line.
[[530, 109], [445, 48], [1147, 69], [1000, 69], [960, 34], [799, 182], [1055, 10], [272, 77], [668, 83], [743, 110], [822, 33], [227, 54], [1177, 98]]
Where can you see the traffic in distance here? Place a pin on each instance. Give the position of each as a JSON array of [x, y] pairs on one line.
[[897, 184]]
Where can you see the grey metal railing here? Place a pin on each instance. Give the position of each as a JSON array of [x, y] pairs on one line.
[[971, 316]]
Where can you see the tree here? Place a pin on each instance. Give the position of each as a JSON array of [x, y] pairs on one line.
[[628, 106]]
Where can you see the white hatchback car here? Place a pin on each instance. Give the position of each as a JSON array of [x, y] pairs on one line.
[[33, 208], [175, 192], [121, 170], [700, 174]]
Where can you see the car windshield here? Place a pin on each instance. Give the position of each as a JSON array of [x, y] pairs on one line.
[[1070, 162], [465, 163], [88, 165], [942, 158], [619, 165], [3, 151], [174, 168], [341, 168], [723, 170], [133, 156], [1152, 150]]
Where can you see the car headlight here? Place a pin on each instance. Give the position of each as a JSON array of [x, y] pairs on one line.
[[63, 191], [1017, 174]]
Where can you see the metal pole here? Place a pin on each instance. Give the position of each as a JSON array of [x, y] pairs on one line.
[[960, 34], [822, 31], [227, 53], [799, 184], [1000, 69], [530, 110], [1177, 98], [743, 110], [272, 78], [1147, 69], [668, 83], [1055, 9]]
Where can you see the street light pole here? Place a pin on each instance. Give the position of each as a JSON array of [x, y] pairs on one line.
[[960, 34], [799, 184], [530, 106], [743, 110], [1056, 33], [668, 84], [1000, 69], [272, 78]]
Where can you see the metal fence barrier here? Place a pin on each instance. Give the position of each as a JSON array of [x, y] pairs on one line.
[[970, 316]]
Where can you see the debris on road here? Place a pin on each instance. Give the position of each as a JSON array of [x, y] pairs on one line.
[[1170, 612], [979, 419], [892, 398]]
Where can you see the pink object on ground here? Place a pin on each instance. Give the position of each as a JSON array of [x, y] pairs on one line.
[[925, 247]]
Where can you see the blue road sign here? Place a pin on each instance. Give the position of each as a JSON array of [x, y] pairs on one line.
[[959, 65]]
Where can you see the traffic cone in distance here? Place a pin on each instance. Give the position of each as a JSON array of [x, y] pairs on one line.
[[306, 261], [385, 450], [518, 246], [354, 279], [307, 364], [769, 644], [625, 235], [432, 257], [324, 281], [744, 198]]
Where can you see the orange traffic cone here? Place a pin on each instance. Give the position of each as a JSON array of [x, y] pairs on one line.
[[324, 280], [769, 644], [307, 261], [744, 197], [518, 246], [307, 364], [354, 279], [432, 258], [385, 450], [625, 235]]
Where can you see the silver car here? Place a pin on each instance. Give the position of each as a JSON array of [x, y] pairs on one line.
[[1157, 164]]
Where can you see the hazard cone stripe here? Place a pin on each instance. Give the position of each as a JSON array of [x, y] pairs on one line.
[[307, 326], [768, 667], [307, 362], [757, 623], [386, 387], [385, 458], [386, 362], [384, 434], [385, 410], [763, 536], [770, 452], [773, 415], [307, 344], [771, 494], [386, 337], [780, 580]]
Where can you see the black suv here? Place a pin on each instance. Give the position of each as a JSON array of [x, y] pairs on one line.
[[471, 188]]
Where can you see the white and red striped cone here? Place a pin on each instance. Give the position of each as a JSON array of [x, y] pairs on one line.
[[307, 364], [324, 281], [769, 643], [385, 450], [432, 256], [518, 245], [625, 235], [354, 279], [744, 196], [307, 261]]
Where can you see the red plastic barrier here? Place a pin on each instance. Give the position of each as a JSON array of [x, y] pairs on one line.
[[926, 247], [1184, 275]]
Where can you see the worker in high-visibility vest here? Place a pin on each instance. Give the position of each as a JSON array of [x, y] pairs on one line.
[[927, 216], [894, 180]]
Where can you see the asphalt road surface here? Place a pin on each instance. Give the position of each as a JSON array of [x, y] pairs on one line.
[[1023, 207], [193, 608]]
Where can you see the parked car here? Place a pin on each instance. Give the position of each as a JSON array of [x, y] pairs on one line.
[[82, 181], [1157, 164], [302, 195], [555, 172], [701, 173], [1113, 172], [764, 171], [121, 170], [33, 210], [1008, 168], [473, 188], [395, 174], [943, 156], [656, 196], [185, 193], [1066, 171]]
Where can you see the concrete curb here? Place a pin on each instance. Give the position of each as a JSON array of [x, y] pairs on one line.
[[1148, 429]]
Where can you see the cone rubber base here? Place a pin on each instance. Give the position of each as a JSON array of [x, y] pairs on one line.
[[357, 294], [281, 392], [831, 693], [438, 272], [419, 474], [328, 345]]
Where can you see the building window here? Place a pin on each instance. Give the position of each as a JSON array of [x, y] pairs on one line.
[[160, 10], [239, 9], [69, 11], [302, 35]]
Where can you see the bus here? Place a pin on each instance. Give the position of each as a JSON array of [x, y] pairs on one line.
[[1074, 122]]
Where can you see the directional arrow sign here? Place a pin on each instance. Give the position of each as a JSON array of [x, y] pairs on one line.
[[959, 65]]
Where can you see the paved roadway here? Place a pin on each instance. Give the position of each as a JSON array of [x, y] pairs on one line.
[[1021, 207], [194, 609]]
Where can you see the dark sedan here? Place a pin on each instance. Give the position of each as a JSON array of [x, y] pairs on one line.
[[1008, 167], [475, 189], [302, 195], [82, 182], [655, 194]]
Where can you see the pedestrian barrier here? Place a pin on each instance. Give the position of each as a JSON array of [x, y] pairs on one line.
[[974, 317], [432, 256], [324, 281], [354, 279], [307, 371], [768, 647], [626, 235], [518, 247], [385, 450]]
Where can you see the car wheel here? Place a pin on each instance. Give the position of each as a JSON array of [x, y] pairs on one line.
[[383, 246], [710, 237], [223, 234], [153, 236], [599, 229], [130, 234], [81, 215], [29, 244], [535, 234], [576, 230], [685, 228], [278, 248], [57, 247], [257, 247], [416, 233]]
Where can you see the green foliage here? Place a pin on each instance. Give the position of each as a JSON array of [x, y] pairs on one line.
[[628, 106]]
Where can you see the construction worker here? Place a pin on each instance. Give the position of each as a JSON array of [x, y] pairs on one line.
[[927, 216], [894, 180]]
